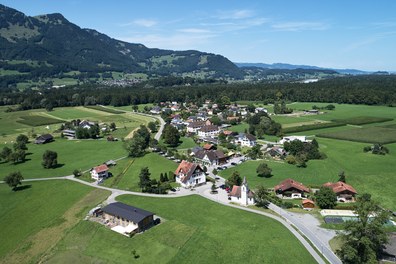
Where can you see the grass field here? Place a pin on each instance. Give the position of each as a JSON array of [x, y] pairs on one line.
[[36, 218], [129, 169], [382, 135], [240, 128], [362, 120], [366, 172], [195, 230], [72, 154], [104, 109], [187, 143], [70, 113]]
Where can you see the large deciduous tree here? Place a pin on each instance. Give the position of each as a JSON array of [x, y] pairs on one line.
[[171, 136], [50, 159], [326, 198], [234, 179], [13, 180], [263, 170], [364, 239]]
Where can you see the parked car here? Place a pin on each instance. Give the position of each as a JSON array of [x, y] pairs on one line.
[[233, 164], [224, 167], [219, 168], [222, 186]]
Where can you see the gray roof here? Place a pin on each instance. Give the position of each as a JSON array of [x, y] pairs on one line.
[[212, 154], [125, 211]]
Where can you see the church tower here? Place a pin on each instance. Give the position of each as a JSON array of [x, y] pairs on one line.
[[244, 192]]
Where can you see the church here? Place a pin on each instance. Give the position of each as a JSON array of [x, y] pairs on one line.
[[242, 194]]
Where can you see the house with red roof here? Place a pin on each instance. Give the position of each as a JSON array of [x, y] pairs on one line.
[[292, 189], [100, 172], [345, 192], [242, 194], [190, 174]]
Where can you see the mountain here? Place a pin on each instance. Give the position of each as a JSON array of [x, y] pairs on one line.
[[56, 45], [286, 66]]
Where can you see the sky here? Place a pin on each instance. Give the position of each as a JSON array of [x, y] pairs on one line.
[[333, 33]]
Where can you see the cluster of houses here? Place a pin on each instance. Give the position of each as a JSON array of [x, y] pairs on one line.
[[293, 189]]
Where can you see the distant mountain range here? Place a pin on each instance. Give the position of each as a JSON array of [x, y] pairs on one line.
[[286, 66], [63, 46]]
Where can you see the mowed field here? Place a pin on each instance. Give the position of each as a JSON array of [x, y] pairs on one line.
[[193, 230], [35, 218], [72, 154]]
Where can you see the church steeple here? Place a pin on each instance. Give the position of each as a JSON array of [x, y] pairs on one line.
[[244, 192]]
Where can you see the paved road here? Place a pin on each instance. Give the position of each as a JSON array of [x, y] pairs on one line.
[[310, 234]]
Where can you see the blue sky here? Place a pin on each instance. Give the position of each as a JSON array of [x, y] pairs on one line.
[[337, 34]]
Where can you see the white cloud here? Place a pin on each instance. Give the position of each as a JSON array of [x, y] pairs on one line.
[[299, 26], [141, 22], [235, 14], [194, 30]]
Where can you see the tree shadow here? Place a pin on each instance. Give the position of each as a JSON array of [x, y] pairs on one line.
[[28, 153], [59, 165], [23, 187]]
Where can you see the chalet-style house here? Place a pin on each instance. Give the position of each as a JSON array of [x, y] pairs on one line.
[[292, 138], [345, 192], [209, 157], [127, 219], [308, 204], [86, 124], [245, 140], [291, 189], [46, 138], [208, 131], [100, 172], [190, 174], [277, 152], [242, 194]]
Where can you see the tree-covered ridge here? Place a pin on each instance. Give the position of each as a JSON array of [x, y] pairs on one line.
[[66, 47], [370, 90]]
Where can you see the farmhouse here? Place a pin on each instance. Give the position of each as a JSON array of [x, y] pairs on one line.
[[100, 172], [345, 192], [242, 194], [208, 131], [46, 138], [292, 138], [276, 152], [70, 133], [245, 140], [127, 219], [190, 174], [291, 188]]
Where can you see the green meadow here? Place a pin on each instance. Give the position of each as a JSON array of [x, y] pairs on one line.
[[193, 230]]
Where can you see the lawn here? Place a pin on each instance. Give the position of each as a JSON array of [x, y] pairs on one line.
[[187, 143], [70, 113], [72, 154], [35, 218], [126, 172], [366, 172], [240, 128], [195, 230]]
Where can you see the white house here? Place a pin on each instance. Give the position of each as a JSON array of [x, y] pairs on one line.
[[193, 127], [242, 194], [209, 157], [190, 174], [208, 131], [100, 172], [292, 138], [260, 109], [245, 140]]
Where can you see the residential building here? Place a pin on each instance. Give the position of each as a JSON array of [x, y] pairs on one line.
[[292, 138], [100, 172], [190, 174], [193, 127], [344, 192], [210, 157], [208, 131], [245, 140], [291, 189]]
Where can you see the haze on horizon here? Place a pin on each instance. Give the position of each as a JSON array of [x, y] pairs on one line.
[[332, 34]]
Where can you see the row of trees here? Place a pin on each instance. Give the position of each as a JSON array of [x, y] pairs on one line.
[[152, 185], [301, 152]]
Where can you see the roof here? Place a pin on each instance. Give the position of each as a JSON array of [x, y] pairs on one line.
[[45, 137], [339, 187], [212, 154], [209, 128], [101, 168], [196, 124], [248, 136], [290, 183], [187, 168], [208, 146], [305, 201], [236, 192], [127, 212]]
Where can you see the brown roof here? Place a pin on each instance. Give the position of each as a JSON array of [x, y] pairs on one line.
[[339, 187], [236, 192], [227, 132], [290, 183], [197, 124], [208, 146], [101, 168], [212, 154], [187, 168], [305, 201]]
